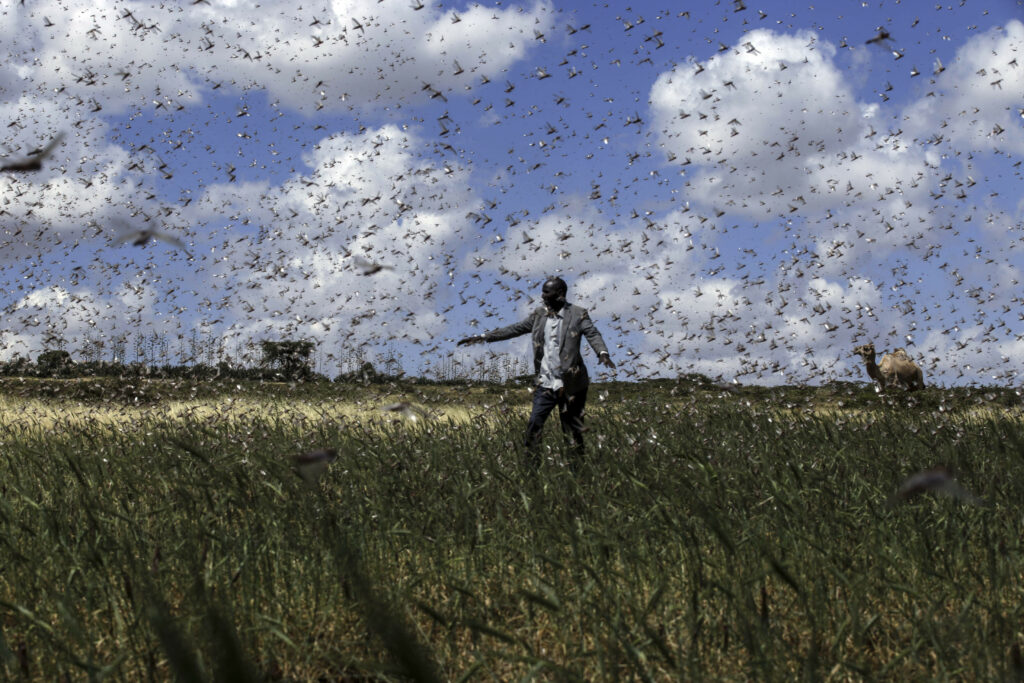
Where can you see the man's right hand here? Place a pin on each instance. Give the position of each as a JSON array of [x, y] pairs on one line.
[[477, 339]]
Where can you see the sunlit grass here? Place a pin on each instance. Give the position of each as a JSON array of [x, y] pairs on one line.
[[708, 534], [42, 415]]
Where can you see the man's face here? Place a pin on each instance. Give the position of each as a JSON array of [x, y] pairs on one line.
[[552, 295]]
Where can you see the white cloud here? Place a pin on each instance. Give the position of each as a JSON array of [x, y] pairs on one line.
[[705, 111], [57, 316], [370, 196], [977, 103], [865, 201], [357, 53], [806, 149]]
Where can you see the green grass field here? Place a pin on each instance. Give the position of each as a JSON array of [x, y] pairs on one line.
[[160, 532]]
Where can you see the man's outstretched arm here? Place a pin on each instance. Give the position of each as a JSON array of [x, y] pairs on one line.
[[513, 330]]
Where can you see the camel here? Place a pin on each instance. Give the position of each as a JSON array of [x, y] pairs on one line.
[[896, 367]]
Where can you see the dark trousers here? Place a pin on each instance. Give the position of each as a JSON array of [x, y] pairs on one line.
[[570, 413]]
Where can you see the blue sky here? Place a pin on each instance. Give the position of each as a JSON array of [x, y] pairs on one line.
[[746, 190]]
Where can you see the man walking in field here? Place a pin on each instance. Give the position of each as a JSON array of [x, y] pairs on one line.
[[557, 328]]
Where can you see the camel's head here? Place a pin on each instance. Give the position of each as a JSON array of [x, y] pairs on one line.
[[865, 351]]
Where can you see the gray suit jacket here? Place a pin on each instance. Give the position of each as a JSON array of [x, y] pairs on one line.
[[575, 325]]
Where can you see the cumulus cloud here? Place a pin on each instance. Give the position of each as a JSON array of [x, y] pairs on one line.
[[80, 318], [869, 203], [269, 256], [976, 102], [287, 267], [808, 147], [371, 196], [355, 54]]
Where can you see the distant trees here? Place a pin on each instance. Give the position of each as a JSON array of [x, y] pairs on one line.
[[392, 366], [497, 368], [204, 356], [356, 364], [54, 363], [291, 358], [92, 350], [148, 355], [18, 366], [493, 368], [365, 374]]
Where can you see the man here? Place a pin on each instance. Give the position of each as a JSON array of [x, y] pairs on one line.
[[562, 380]]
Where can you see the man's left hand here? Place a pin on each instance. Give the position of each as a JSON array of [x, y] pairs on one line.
[[605, 359]]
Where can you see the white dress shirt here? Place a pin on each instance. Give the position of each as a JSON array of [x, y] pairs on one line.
[[550, 364]]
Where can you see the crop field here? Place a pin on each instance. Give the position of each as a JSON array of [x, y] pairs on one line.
[[161, 532]]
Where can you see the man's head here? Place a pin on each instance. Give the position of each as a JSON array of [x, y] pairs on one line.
[[553, 293]]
